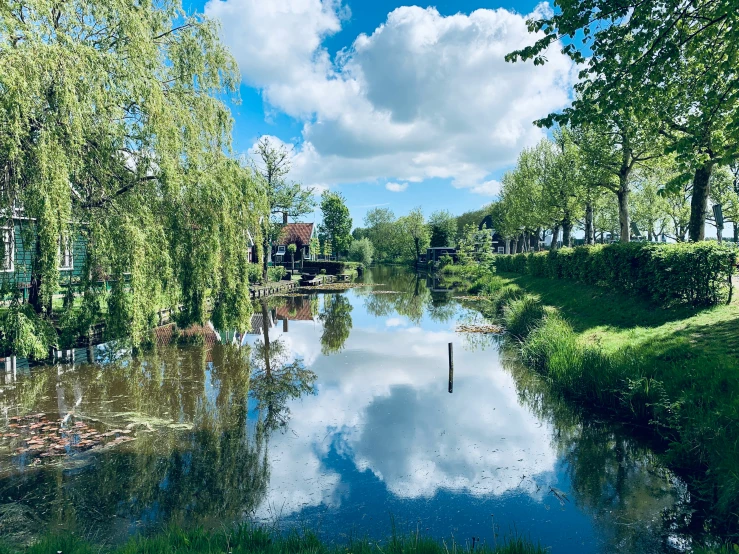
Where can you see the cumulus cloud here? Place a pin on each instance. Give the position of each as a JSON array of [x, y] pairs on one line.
[[423, 96], [383, 404], [396, 187]]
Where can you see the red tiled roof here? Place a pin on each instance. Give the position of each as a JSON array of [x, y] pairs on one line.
[[302, 313], [298, 233]]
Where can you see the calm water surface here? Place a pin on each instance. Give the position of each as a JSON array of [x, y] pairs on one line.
[[334, 413]]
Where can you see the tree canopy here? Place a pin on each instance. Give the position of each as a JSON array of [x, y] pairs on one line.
[[112, 126]]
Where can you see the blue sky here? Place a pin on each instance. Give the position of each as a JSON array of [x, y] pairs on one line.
[[390, 103]]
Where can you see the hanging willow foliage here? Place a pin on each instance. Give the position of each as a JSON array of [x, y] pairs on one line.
[[111, 127]]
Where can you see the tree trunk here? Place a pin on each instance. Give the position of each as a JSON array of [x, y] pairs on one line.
[[699, 202], [265, 252], [623, 210], [34, 293], [649, 235], [567, 232], [292, 256], [736, 233], [589, 230], [417, 242], [555, 238]]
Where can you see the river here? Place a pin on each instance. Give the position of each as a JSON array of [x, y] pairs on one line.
[[334, 413]]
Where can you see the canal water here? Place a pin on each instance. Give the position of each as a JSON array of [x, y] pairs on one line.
[[333, 413]]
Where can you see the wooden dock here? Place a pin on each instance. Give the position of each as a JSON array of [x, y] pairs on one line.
[[260, 291]]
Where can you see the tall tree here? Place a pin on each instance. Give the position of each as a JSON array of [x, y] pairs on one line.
[[611, 148], [110, 117], [382, 230], [443, 227], [413, 227], [337, 223], [286, 198], [671, 60]]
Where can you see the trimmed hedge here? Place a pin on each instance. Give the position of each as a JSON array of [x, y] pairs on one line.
[[332, 268], [685, 273]]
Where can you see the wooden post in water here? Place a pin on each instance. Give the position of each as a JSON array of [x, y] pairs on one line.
[[451, 368]]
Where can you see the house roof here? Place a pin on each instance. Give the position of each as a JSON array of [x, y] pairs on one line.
[[298, 233], [301, 313]]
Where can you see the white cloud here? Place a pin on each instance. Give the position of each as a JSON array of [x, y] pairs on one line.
[[488, 188], [396, 187], [423, 96], [384, 405], [395, 322]]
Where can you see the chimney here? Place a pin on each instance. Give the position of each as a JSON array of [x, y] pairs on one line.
[[284, 218]]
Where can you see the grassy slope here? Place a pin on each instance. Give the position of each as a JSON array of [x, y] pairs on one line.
[[691, 355], [242, 540], [708, 338]]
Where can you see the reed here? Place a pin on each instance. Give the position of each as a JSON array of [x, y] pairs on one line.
[[247, 539]]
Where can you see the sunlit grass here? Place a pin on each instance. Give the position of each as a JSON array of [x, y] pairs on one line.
[[673, 371]]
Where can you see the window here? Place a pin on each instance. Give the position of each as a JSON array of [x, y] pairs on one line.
[[501, 250], [281, 249], [66, 258], [8, 253]]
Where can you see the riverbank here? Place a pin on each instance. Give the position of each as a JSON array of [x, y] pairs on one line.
[[674, 373], [246, 539]]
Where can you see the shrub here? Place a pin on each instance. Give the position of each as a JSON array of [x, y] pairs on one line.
[[362, 251], [254, 273], [276, 273], [25, 333], [445, 261], [522, 315], [687, 273], [332, 268]]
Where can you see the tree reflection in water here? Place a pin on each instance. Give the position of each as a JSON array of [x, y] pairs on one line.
[[409, 297], [336, 317], [619, 481], [195, 459], [275, 380]]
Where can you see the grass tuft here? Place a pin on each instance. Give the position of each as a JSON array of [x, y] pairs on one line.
[[258, 540]]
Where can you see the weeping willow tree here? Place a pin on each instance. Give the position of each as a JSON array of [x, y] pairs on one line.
[[112, 128]]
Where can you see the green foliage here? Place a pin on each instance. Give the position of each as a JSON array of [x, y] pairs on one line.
[[473, 218], [332, 268], [280, 197], [337, 323], [670, 64], [115, 131], [414, 234], [668, 274], [248, 539], [362, 251], [337, 223], [396, 240], [672, 371], [522, 315], [443, 227], [276, 273], [25, 333], [445, 260], [253, 273], [487, 284]]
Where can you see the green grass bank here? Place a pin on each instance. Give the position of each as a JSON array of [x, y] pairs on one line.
[[671, 372], [257, 540]]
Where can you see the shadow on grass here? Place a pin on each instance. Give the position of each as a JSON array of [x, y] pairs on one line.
[[588, 306]]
